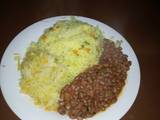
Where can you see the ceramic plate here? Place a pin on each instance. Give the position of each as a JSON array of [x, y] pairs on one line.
[[23, 106]]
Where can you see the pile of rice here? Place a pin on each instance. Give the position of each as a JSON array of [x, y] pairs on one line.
[[61, 53]]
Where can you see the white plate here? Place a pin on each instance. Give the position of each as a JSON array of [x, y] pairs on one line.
[[23, 106]]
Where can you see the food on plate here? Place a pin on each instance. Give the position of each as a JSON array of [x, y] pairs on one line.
[[60, 54], [73, 69], [97, 87]]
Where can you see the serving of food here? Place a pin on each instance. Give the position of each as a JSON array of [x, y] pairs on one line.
[[73, 69]]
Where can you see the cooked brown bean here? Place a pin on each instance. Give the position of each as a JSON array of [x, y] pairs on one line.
[[98, 87]]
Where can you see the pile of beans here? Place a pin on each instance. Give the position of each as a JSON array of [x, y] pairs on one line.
[[98, 87], [113, 54]]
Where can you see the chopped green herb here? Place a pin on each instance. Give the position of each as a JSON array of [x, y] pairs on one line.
[[118, 43], [17, 59], [87, 43]]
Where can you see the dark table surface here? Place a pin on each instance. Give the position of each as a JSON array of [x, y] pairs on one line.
[[137, 21]]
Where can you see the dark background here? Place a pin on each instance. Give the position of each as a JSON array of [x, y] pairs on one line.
[[137, 21]]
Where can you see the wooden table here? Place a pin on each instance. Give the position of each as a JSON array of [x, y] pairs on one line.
[[137, 21]]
